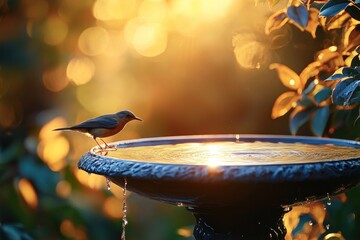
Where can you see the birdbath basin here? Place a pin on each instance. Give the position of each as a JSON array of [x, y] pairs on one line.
[[236, 186]]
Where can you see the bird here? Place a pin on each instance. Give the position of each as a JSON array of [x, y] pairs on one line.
[[103, 126]]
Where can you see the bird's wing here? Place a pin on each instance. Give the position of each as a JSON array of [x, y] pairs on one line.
[[105, 121]]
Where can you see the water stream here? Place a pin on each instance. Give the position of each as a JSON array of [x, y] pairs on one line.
[[124, 209]]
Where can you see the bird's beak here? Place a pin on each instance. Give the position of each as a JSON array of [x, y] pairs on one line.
[[139, 119]]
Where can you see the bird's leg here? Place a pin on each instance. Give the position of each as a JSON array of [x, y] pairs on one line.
[[107, 146], [98, 144]]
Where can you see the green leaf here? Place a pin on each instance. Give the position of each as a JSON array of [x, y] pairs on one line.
[[298, 14], [355, 98], [333, 7], [14, 232], [344, 91], [335, 76], [355, 62], [354, 11], [358, 117], [309, 88], [344, 72], [319, 121], [305, 101], [299, 118], [322, 95], [351, 71]]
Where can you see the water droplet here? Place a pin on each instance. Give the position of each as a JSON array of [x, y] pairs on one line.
[[287, 209], [108, 184], [327, 226], [328, 200], [311, 223]]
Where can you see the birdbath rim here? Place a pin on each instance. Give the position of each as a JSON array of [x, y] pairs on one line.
[[93, 162]]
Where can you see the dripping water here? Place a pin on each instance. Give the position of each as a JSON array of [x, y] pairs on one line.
[[108, 184], [328, 200], [124, 209]]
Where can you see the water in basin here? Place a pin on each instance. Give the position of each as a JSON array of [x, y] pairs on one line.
[[230, 153]]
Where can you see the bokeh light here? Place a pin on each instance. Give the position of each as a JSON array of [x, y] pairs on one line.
[[80, 70], [11, 114], [148, 38], [53, 147], [93, 41], [106, 10], [28, 192], [63, 188], [55, 79], [55, 31]]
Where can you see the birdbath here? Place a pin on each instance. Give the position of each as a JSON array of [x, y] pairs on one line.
[[236, 186]]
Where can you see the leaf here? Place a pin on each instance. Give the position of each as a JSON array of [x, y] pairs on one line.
[[338, 21], [276, 21], [299, 14], [344, 72], [329, 54], [309, 88], [358, 117], [322, 95], [310, 71], [287, 76], [333, 7], [313, 22], [355, 62], [299, 118], [273, 3], [283, 104], [351, 37], [305, 101], [354, 10], [344, 90], [319, 121], [355, 97], [351, 72]]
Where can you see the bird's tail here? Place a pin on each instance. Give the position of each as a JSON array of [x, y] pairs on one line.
[[62, 129]]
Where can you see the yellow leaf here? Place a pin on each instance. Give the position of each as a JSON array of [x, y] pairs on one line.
[[276, 21], [287, 76], [313, 22], [283, 104], [330, 57], [310, 71], [351, 38], [338, 21]]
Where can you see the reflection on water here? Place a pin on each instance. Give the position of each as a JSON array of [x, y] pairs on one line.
[[235, 153]]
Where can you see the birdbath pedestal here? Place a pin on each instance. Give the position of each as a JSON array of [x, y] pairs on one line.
[[236, 186]]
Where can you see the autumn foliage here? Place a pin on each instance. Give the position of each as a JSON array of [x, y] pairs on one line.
[[329, 84]]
